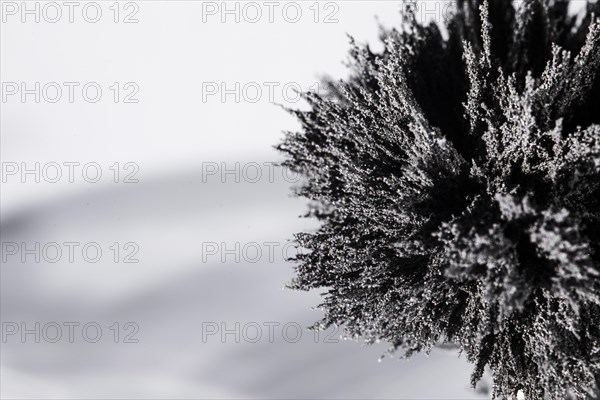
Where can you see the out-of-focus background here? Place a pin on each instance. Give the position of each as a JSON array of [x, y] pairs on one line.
[[144, 227]]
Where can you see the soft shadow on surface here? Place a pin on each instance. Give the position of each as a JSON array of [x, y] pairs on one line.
[[172, 293]]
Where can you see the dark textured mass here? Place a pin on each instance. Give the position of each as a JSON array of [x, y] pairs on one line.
[[456, 176]]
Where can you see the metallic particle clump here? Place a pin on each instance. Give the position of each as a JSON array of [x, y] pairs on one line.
[[456, 178]]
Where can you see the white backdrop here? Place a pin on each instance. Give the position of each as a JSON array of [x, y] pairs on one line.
[[172, 207]]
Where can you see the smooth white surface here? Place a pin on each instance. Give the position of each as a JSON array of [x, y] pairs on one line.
[[169, 133]]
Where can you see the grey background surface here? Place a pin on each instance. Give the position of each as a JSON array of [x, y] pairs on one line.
[[171, 134]]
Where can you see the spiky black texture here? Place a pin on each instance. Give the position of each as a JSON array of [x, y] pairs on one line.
[[457, 180]]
